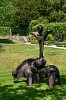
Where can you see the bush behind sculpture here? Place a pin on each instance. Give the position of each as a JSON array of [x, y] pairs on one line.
[[56, 27]]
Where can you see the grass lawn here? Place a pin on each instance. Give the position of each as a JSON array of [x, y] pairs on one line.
[[11, 55]]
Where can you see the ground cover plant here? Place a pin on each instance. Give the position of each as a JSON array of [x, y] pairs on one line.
[[11, 55]]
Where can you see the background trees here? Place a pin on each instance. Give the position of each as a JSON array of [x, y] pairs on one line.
[[21, 12], [7, 12]]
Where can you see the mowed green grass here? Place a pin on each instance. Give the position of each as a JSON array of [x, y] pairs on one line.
[[11, 56]]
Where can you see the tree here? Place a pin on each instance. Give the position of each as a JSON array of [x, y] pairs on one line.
[[6, 13]]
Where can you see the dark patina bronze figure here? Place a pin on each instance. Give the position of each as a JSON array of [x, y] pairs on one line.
[[41, 38]]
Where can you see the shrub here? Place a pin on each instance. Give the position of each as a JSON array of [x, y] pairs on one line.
[[42, 20], [56, 16], [50, 37], [60, 44], [64, 8], [32, 24], [4, 30], [49, 42], [56, 27], [20, 30]]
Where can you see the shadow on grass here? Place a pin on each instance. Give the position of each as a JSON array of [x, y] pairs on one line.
[[7, 41], [20, 81], [7, 92], [1, 48]]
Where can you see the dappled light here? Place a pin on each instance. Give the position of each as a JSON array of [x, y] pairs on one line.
[[34, 92], [13, 55]]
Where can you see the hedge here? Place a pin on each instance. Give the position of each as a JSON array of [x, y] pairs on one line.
[[19, 30], [56, 27], [60, 44]]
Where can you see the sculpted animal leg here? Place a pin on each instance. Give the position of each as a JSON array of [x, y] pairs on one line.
[[51, 80], [29, 79], [57, 79]]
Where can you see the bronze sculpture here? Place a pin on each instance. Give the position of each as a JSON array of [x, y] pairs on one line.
[[41, 38], [34, 69]]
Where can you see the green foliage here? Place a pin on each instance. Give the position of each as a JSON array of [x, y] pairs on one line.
[[4, 30], [56, 16], [20, 30], [60, 44], [50, 37], [32, 24], [21, 12], [25, 11], [64, 8], [56, 27], [44, 10], [7, 13], [49, 42]]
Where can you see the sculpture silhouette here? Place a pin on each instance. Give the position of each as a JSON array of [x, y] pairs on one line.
[[41, 38]]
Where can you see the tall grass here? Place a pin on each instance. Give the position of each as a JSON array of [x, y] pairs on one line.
[[11, 55]]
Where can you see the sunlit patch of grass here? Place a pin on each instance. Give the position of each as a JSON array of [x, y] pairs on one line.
[[12, 56]]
